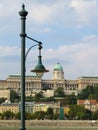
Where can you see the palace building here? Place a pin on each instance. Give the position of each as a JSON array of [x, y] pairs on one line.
[[34, 84]]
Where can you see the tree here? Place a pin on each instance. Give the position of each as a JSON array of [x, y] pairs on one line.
[[48, 99], [14, 97], [38, 96], [55, 116], [8, 115], [49, 113], [29, 98], [2, 100], [76, 112], [18, 115], [90, 92], [80, 115], [69, 100], [59, 92], [38, 115], [95, 115], [41, 115], [27, 116], [88, 114]]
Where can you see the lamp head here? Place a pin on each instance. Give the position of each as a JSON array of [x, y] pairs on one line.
[[39, 68]]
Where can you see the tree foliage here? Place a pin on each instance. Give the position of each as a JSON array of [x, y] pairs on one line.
[[38, 96], [69, 100], [2, 100], [79, 112], [90, 92], [14, 97], [59, 92], [7, 115]]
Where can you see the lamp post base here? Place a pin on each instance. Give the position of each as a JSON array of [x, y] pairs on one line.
[[23, 129]]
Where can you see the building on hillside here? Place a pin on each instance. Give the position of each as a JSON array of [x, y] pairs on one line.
[[32, 107], [35, 84], [91, 105], [8, 106], [43, 106], [28, 107]]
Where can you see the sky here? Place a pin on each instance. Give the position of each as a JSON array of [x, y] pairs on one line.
[[68, 30]]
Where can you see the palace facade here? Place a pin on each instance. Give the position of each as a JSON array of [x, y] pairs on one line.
[[34, 84]]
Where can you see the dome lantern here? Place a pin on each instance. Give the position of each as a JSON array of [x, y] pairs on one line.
[[58, 72]]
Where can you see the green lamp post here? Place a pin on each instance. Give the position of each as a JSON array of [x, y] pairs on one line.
[[39, 69]]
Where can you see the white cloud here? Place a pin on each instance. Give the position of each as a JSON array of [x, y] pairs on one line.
[[52, 18], [9, 51], [60, 12], [40, 14], [9, 61], [86, 11], [79, 59], [65, 13]]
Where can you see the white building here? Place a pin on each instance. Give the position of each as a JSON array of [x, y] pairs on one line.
[[35, 85]]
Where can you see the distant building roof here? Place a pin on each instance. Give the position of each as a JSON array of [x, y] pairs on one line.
[[81, 102], [58, 67], [87, 77]]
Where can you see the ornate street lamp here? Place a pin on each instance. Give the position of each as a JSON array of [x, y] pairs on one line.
[[39, 68]]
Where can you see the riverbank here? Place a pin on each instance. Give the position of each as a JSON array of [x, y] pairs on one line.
[[64, 123]]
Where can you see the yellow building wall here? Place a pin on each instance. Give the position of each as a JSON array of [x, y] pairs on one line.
[[14, 109]]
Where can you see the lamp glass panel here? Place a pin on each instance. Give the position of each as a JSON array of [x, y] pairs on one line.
[[39, 74]]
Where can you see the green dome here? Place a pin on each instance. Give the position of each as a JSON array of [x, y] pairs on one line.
[[58, 67]]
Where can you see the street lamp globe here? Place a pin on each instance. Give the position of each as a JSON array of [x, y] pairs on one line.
[[39, 68]]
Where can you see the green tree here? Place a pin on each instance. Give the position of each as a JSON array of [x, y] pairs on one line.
[[90, 92], [95, 115], [14, 97], [76, 112], [59, 92], [70, 100], [88, 114], [2, 100], [48, 99], [49, 113], [79, 112], [38, 96], [29, 98], [41, 115], [80, 115], [18, 115], [27, 116], [84, 94], [38, 115], [55, 116], [8, 115]]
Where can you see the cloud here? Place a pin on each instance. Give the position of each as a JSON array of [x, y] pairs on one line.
[[83, 11], [76, 13], [9, 51], [9, 61], [68, 27], [78, 59]]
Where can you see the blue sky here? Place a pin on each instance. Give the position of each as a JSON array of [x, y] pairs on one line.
[[67, 28]]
